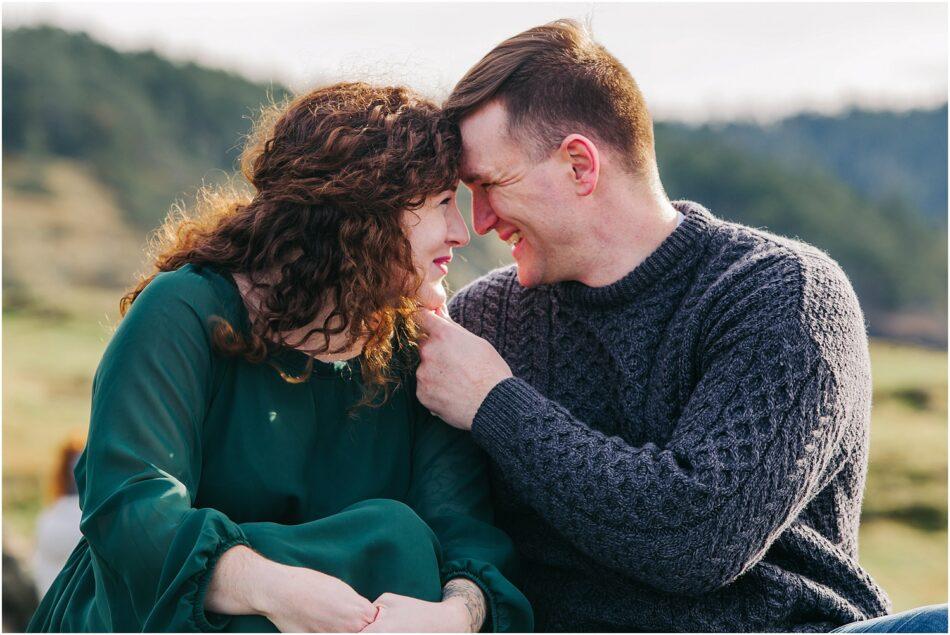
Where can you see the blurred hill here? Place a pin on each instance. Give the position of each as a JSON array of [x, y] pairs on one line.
[[98, 144], [150, 130], [883, 155]]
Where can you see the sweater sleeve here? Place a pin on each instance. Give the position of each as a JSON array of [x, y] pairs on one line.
[[450, 492], [755, 440], [154, 552]]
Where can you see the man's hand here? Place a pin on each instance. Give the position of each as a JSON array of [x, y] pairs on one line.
[[401, 614], [458, 370]]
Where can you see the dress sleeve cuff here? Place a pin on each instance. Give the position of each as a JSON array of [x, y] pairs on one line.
[[495, 424], [206, 621], [508, 609]]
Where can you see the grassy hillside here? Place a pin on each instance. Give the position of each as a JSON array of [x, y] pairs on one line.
[[65, 240]]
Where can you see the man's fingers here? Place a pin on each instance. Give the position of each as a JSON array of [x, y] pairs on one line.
[[425, 319], [443, 312], [430, 321]]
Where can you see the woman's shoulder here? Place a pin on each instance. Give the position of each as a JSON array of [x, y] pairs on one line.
[[200, 287], [191, 291]]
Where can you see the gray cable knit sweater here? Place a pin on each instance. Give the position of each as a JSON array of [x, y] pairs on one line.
[[684, 449]]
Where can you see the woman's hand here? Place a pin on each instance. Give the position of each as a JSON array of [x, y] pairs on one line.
[[401, 614], [307, 601], [295, 599]]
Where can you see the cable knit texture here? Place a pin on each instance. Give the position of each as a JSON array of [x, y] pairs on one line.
[[684, 449]]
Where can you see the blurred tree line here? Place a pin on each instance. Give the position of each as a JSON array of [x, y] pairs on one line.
[[151, 129], [882, 155], [869, 188]]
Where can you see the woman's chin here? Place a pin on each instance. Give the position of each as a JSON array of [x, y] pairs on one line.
[[432, 298]]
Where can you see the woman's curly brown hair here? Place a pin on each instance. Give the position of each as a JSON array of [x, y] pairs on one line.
[[333, 172]]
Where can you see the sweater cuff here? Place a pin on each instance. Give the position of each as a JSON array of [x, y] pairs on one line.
[[495, 424]]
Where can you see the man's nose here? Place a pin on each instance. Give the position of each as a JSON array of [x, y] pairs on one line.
[[483, 216]]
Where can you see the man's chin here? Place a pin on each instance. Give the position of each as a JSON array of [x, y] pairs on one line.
[[527, 277]]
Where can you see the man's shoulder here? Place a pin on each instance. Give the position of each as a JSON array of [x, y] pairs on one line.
[[478, 305], [785, 274], [788, 256]]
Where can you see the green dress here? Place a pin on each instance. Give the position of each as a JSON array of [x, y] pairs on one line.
[[191, 453]]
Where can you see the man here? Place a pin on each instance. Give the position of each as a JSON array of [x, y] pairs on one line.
[[676, 408]]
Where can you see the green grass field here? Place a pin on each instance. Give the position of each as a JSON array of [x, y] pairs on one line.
[[49, 360]]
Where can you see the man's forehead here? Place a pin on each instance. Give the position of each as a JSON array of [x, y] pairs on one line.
[[484, 140], [474, 164]]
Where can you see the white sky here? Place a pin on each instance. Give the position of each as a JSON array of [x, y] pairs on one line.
[[694, 61]]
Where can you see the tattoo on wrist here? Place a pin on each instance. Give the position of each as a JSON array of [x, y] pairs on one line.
[[471, 596]]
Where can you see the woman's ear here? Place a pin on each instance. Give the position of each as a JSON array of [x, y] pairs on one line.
[[584, 159]]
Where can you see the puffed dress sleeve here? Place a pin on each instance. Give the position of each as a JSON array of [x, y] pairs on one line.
[[450, 491], [154, 551]]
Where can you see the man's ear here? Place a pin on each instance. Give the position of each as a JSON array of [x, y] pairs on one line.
[[584, 160]]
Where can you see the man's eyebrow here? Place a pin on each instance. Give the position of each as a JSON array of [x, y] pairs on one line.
[[472, 177]]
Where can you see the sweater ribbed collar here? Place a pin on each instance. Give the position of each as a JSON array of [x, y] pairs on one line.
[[666, 257]]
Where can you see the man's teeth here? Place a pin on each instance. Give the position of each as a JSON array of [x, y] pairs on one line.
[[514, 238]]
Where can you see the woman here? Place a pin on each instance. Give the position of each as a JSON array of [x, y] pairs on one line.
[[256, 456]]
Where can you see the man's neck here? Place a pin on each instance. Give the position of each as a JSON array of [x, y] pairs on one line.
[[632, 223]]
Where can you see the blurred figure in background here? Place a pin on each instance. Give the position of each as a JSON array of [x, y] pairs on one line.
[[19, 592], [57, 529]]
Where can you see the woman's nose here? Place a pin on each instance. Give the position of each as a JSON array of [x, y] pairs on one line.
[[458, 235]]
